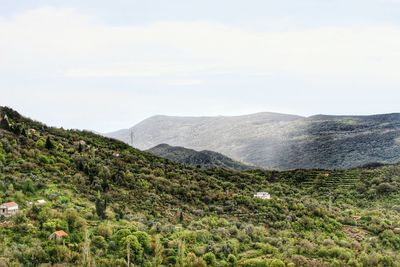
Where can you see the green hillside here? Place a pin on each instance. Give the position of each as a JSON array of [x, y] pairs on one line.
[[118, 205], [204, 159]]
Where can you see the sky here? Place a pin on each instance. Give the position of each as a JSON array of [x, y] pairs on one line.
[[106, 65]]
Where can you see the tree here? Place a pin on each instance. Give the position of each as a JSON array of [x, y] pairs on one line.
[[101, 206], [158, 250], [49, 144], [181, 217], [131, 247], [23, 132], [104, 174], [28, 186]]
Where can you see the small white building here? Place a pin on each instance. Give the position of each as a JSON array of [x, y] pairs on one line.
[[262, 195], [41, 202], [8, 209], [38, 202]]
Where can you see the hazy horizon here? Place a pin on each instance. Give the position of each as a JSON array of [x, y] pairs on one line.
[[107, 66], [200, 116]]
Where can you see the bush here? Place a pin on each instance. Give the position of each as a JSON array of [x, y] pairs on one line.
[[105, 231], [45, 160], [385, 188], [232, 260], [254, 263], [99, 242], [277, 263], [209, 258]]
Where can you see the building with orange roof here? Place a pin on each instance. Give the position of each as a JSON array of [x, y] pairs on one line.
[[58, 235]]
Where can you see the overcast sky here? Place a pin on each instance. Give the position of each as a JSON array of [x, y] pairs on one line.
[[105, 65]]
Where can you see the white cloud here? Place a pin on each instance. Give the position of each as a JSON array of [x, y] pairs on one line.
[[57, 41]]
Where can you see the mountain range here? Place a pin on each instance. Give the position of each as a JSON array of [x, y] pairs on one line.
[[277, 141]]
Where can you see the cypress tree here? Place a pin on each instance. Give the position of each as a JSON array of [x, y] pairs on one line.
[[49, 144]]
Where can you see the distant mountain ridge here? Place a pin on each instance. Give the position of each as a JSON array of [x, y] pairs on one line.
[[205, 158], [278, 141]]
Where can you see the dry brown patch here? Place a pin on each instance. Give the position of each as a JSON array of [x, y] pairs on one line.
[[355, 233]]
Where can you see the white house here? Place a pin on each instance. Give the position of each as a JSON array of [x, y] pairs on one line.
[[41, 202], [8, 209], [262, 195], [38, 202]]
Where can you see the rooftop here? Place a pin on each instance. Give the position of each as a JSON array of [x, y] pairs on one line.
[[60, 233], [9, 204]]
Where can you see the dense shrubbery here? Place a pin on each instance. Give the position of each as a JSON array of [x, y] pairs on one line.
[[118, 204]]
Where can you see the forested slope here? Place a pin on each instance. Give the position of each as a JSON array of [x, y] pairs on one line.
[[204, 159], [118, 204]]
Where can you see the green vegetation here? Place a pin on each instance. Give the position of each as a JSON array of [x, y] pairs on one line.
[[119, 205], [200, 159]]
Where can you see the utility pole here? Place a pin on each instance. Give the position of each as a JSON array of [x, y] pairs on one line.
[[132, 137]]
